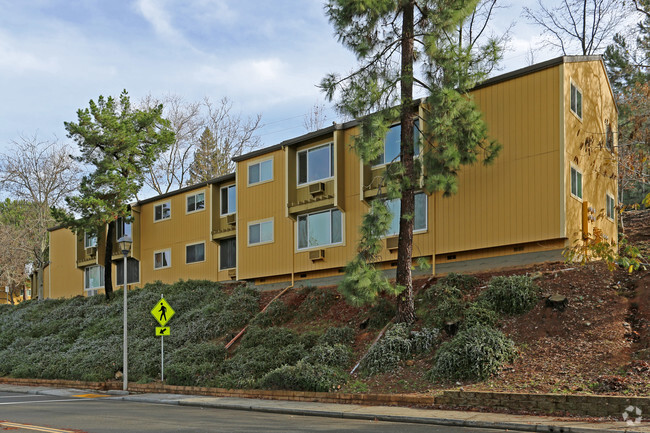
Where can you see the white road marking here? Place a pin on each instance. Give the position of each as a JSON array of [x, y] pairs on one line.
[[18, 396], [45, 401]]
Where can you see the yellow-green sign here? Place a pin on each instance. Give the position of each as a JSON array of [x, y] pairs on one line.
[[162, 312], [161, 331]]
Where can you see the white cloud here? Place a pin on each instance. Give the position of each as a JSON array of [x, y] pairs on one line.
[[15, 58], [154, 12]]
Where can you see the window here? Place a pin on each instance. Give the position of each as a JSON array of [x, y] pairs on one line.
[[94, 277], [228, 200], [315, 164], [260, 233], [320, 228], [576, 183], [132, 272], [228, 253], [195, 202], [162, 259], [195, 253], [162, 211], [90, 240], [123, 228], [610, 205], [260, 172], [576, 101], [420, 220], [392, 144]]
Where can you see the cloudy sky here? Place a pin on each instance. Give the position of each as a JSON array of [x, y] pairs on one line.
[[266, 56]]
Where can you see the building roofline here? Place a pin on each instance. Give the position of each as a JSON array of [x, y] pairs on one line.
[[224, 178]]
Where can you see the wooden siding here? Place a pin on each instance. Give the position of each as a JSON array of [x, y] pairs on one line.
[[514, 200], [585, 147], [62, 279]]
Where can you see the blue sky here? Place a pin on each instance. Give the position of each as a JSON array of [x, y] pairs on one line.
[[266, 56]]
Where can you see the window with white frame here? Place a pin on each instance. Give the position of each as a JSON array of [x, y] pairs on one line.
[[319, 229], [94, 277], [195, 202], [610, 206], [162, 259], [228, 253], [123, 228], [392, 144], [162, 211], [576, 100], [260, 232], [316, 163], [576, 183], [419, 219], [195, 253], [260, 172], [132, 271], [228, 200], [90, 240]]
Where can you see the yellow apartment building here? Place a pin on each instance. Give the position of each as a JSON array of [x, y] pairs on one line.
[[291, 212]]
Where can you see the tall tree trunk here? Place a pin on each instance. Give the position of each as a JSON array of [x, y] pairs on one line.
[[108, 262], [405, 305]]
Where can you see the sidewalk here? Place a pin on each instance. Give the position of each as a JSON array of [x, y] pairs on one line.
[[353, 411]]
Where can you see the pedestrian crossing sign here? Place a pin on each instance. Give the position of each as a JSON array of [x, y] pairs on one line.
[[162, 312]]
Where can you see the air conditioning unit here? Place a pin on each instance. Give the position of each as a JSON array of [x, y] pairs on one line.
[[92, 251], [317, 188], [392, 243], [231, 219], [316, 255], [232, 273]]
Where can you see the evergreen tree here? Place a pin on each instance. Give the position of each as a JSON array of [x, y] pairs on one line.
[[209, 159], [393, 40], [118, 141]]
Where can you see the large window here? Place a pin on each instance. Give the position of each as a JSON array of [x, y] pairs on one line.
[[228, 200], [90, 240], [260, 172], [162, 259], [610, 205], [195, 202], [260, 232], [93, 277], [576, 101], [162, 211], [123, 228], [315, 164], [392, 144], [195, 253], [228, 253], [320, 228], [576, 183], [132, 271], [420, 219]]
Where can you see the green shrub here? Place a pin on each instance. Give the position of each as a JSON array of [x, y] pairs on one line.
[[303, 377], [459, 281], [317, 302], [473, 354], [448, 302], [516, 294], [276, 314], [424, 340], [342, 335], [479, 314], [386, 354], [337, 355]]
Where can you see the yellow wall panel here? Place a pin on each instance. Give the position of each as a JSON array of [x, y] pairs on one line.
[[63, 279]]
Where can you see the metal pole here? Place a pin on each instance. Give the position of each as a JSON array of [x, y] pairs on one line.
[[162, 359], [125, 361]]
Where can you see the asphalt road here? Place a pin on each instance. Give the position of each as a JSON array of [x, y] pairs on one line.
[[99, 414]]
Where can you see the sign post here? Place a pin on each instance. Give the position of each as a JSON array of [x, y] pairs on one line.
[[162, 312]]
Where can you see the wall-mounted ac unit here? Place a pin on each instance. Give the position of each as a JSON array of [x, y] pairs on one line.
[[392, 243], [231, 219], [317, 188], [316, 255], [232, 273], [92, 251]]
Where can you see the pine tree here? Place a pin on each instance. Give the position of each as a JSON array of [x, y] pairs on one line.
[[118, 141], [402, 45]]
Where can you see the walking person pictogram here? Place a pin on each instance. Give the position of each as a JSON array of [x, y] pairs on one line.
[[163, 313]]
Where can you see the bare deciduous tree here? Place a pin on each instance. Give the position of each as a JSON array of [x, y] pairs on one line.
[[583, 25], [315, 118], [42, 173], [224, 135]]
